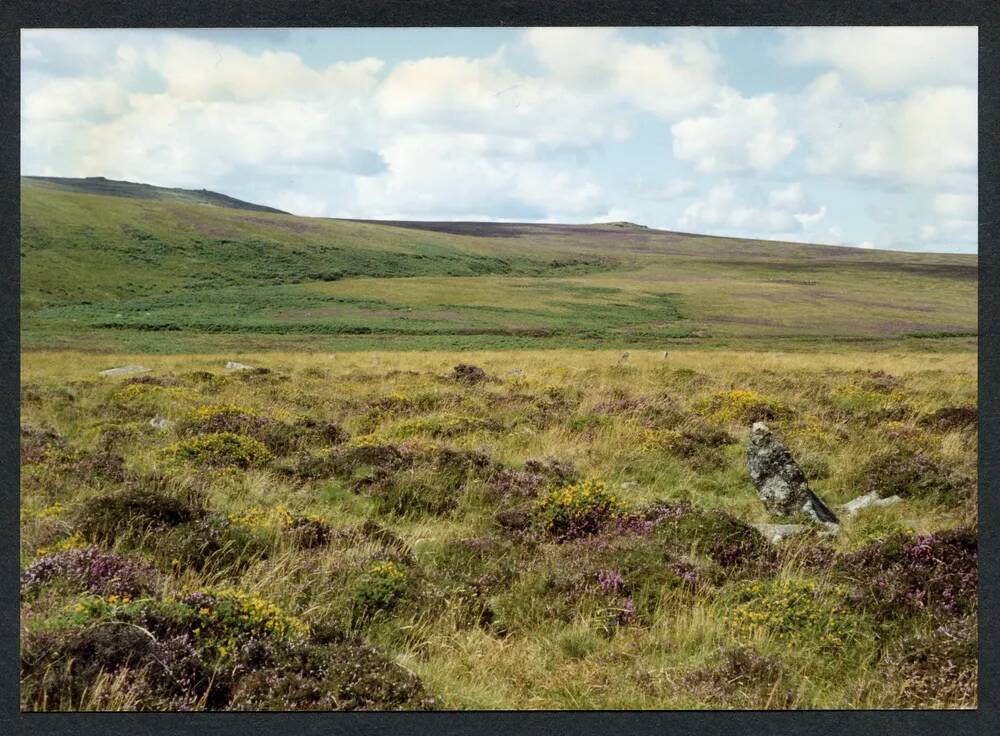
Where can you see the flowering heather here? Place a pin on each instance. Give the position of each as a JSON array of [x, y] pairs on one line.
[[93, 570], [935, 572], [577, 510], [37, 443], [610, 582]]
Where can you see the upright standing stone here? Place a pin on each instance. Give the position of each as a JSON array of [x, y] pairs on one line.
[[779, 480]]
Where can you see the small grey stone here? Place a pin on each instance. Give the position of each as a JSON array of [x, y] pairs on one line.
[[159, 422], [515, 372], [234, 366], [629, 484], [124, 370], [869, 499], [780, 482]]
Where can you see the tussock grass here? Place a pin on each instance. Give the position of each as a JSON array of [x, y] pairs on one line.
[[510, 615]]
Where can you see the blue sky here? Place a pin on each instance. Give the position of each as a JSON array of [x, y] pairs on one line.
[[852, 136]]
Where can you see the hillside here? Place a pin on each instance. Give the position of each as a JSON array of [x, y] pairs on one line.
[[133, 190], [111, 265]]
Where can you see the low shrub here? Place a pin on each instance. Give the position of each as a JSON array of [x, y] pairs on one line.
[[130, 514], [183, 653], [910, 473], [938, 667], [949, 418], [340, 675], [212, 543], [576, 510], [414, 492], [222, 449], [903, 575], [744, 406], [379, 589], [792, 611], [90, 570], [727, 541]]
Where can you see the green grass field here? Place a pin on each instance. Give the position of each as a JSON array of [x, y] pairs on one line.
[[129, 274], [356, 524]]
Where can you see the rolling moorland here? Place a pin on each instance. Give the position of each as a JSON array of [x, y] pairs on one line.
[[457, 468]]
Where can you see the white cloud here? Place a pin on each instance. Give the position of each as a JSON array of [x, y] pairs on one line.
[[444, 176], [205, 71], [791, 196], [728, 210], [930, 134], [885, 58], [666, 79], [740, 133], [64, 99], [808, 219], [722, 208]]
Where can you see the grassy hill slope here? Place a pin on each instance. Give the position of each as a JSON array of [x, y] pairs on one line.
[[134, 190], [168, 274]]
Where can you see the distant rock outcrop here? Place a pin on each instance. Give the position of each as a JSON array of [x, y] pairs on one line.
[[780, 482]]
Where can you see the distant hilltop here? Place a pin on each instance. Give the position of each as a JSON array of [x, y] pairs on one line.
[[624, 225], [133, 190]]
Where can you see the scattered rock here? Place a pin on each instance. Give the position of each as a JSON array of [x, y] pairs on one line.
[[776, 532], [234, 366], [124, 370], [628, 485], [468, 374], [780, 482], [159, 422], [869, 499]]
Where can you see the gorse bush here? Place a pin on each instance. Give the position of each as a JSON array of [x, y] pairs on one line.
[[229, 619], [794, 612], [743, 406], [221, 449], [380, 588], [576, 510]]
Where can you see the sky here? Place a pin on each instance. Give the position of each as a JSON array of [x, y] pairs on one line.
[[865, 137]]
